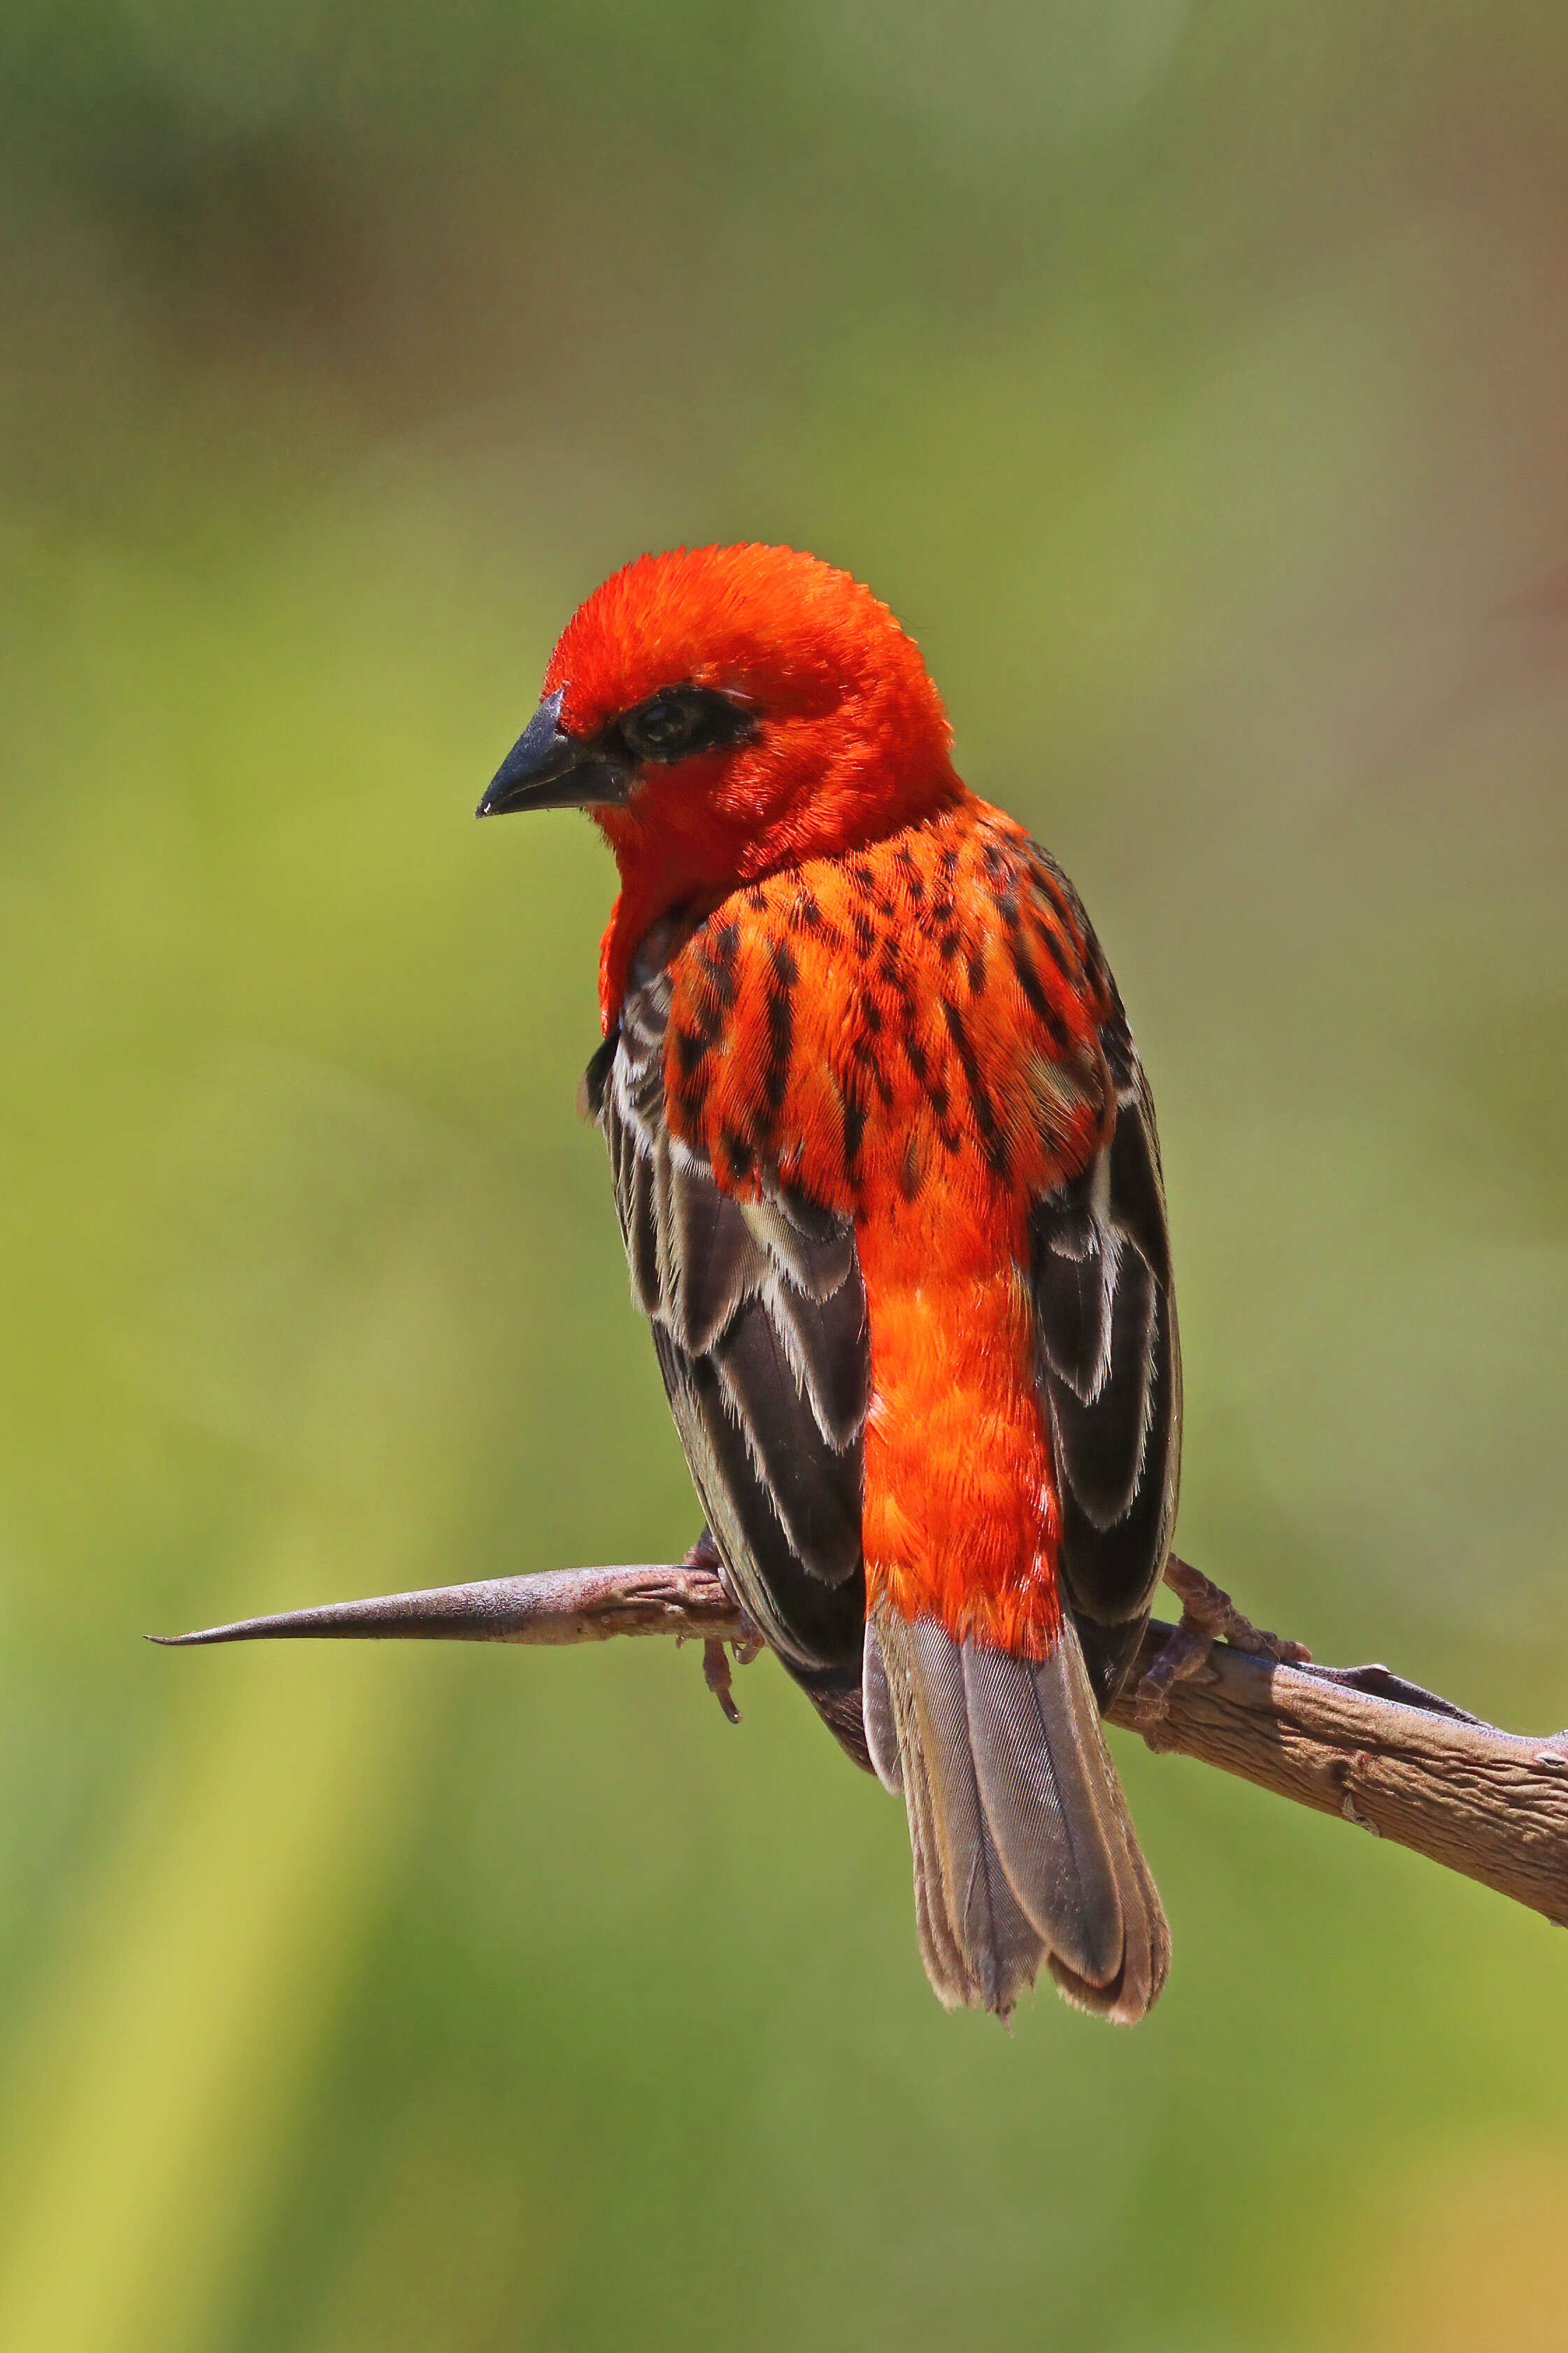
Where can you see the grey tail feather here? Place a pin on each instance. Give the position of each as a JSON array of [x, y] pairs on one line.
[[1023, 1852]]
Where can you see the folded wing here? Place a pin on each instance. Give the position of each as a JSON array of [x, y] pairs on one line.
[[1109, 1372], [759, 1319]]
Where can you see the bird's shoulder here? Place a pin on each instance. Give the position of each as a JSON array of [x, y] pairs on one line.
[[920, 903], [936, 993]]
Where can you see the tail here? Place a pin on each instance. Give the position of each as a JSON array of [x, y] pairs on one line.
[[1023, 1848]]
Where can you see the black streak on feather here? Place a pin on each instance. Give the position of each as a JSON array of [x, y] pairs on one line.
[[992, 1142]]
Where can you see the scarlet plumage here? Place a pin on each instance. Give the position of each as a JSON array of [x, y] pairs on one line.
[[914, 1100], [886, 1167]]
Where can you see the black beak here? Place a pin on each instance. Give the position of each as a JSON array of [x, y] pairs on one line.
[[546, 769]]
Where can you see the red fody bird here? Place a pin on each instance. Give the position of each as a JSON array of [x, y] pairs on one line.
[[887, 1173]]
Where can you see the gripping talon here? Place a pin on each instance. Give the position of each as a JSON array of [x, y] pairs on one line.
[[1185, 1657], [1208, 1616], [1208, 1609], [716, 1653], [704, 1553]]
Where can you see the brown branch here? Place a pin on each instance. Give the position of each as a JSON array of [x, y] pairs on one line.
[[1359, 1741], [560, 1607], [1407, 1768]]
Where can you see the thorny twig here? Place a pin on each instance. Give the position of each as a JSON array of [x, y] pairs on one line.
[[1358, 1742]]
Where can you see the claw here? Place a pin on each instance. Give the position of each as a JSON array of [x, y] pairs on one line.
[[715, 1675]]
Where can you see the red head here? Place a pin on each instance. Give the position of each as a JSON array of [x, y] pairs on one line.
[[723, 712]]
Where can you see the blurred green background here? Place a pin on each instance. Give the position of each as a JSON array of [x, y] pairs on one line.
[[1190, 376]]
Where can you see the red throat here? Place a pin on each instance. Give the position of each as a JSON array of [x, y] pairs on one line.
[[851, 741]]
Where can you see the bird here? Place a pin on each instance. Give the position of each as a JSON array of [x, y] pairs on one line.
[[887, 1172]]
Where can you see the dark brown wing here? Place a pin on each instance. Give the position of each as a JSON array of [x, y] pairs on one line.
[[759, 1319], [1110, 1370]]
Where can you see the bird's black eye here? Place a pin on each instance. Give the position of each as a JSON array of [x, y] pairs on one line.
[[664, 725], [683, 721]]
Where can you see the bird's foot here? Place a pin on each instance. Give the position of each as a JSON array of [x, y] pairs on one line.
[[704, 1553], [716, 1652], [716, 1676], [1208, 1616], [1206, 1608]]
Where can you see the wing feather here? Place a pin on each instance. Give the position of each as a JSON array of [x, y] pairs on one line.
[[760, 1324], [1109, 1366]]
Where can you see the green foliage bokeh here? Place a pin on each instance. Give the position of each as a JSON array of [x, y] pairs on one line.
[[1190, 378]]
